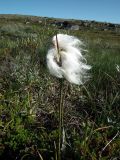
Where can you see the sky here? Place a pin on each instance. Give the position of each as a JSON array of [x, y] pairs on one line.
[[98, 10]]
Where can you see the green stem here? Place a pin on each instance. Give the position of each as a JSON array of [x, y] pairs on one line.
[[61, 101], [60, 118], [60, 106]]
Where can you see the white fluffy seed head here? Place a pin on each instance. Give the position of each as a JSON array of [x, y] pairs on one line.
[[73, 64], [65, 40]]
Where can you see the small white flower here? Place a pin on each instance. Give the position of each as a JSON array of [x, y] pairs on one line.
[[69, 63]]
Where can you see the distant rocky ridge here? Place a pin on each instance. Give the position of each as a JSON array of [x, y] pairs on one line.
[[63, 23]]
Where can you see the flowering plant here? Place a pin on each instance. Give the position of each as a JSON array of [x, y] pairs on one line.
[[65, 60]]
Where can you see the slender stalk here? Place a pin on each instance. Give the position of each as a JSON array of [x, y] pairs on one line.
[[60, 118], [61, 102], [117, 134], [60, 106]]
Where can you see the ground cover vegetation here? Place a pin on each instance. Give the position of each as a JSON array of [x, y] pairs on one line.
[[30, 96]]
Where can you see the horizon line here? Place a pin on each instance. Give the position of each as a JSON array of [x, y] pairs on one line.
[[20, 14]]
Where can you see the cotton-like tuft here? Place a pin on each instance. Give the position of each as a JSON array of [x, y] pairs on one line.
[[69, 63]]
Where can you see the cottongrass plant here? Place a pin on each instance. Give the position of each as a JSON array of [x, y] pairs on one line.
[[66, 61]]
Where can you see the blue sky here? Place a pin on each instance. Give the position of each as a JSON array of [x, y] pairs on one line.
[[99, 10]]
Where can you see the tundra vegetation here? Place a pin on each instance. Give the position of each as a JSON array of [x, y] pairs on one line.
[[30, 95]]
